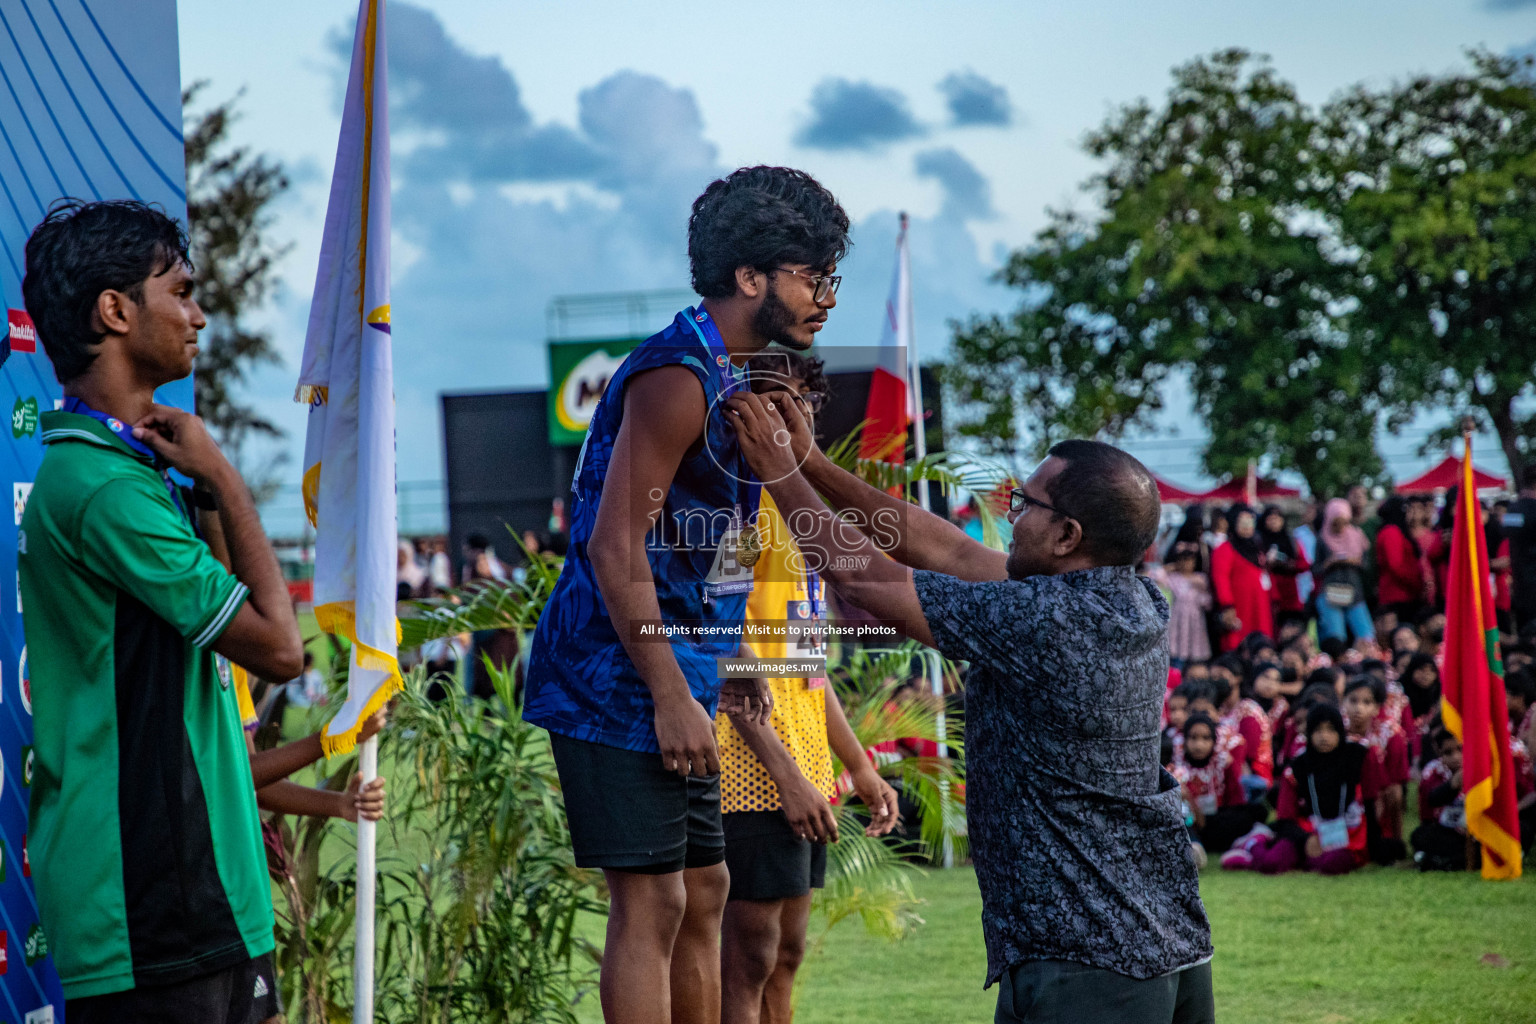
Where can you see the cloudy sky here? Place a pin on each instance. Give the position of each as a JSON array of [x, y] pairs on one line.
[[545, 148]]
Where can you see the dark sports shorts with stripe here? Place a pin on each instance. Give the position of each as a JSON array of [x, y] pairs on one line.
[[226, 996], [767, 860], [627, 813]]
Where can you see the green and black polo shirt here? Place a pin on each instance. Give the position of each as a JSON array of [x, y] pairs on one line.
[[144, 841]]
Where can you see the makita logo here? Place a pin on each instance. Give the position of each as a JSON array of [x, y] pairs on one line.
[[23, 332]]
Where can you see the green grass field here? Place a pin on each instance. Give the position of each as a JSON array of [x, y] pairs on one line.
[[1379, 946]]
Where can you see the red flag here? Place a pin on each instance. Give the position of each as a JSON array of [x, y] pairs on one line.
[[1474, 708], [889, 409]]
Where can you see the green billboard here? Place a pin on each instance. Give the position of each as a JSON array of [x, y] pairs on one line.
[[578, 374]]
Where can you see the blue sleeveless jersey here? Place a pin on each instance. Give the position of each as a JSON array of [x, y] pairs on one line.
[[580, 681]]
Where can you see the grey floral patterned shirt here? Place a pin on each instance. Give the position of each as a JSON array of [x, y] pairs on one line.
[[1076, 831]]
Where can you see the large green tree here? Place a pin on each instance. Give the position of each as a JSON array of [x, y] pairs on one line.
[[1061, 365], [1207, 255], [1436, 200], [230, 193]]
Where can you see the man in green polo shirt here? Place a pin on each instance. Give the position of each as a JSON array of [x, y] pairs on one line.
[[144, 838]]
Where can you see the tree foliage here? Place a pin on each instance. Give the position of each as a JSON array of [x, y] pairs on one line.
[[230, 192], [1306, 270], [1437, 200]]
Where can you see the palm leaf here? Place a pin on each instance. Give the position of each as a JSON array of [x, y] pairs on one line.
[[956, 473], [484, 604]]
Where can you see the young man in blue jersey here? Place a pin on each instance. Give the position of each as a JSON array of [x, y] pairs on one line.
[[661, 537]]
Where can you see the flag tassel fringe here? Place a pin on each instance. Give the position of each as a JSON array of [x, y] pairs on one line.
[[339, 619]]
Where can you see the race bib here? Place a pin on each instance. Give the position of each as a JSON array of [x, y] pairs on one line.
[[1207, 803], [727, 575]]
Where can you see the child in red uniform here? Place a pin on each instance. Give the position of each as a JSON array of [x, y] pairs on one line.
[[1176, 708], [1385, 777], [1440, 841], [1321, 820], [1420, 680], [1243, 716], [1294, 743], [1241, 581], [1212, 787]]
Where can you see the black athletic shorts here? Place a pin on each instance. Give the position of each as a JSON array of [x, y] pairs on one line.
[[223, 997], [767, 860], [628, 813], [268, 1003]]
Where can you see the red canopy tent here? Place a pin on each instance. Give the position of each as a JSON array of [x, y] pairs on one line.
[[1172, 494], [1447, 474], [1236, 489]]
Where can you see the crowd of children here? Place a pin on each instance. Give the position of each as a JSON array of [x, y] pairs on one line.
[[1290, 757]]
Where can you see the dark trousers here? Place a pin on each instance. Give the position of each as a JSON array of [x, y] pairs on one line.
[[223, 997], [1439, 848], [1063, 991]]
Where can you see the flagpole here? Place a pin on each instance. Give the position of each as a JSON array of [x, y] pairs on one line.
[[914, 368], [920, 451], [367, 877]]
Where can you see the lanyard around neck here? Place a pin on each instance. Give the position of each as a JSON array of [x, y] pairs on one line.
[[124, 433], [749, 488], [1343, 797]]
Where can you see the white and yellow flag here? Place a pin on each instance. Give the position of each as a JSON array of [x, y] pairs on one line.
[[348, 381]]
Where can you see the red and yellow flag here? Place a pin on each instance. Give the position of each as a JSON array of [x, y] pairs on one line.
[[1474, 707]]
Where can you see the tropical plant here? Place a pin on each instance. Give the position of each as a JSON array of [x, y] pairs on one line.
[[872, 878], [479, 902], [485, 604]]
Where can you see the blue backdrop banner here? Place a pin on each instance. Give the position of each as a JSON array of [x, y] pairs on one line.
[[90, 106]]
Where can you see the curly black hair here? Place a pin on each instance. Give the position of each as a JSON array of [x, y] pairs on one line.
[[82, 249], [762, 217]]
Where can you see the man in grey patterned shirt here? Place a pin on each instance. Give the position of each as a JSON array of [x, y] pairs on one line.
[[1090, 902]]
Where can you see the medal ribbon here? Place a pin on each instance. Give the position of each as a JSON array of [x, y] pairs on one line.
[[749, 489]]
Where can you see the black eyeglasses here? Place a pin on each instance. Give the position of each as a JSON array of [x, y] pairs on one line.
[[1018, 501], [825, 284]]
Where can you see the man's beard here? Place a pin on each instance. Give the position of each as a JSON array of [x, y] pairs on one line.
[[773, 320]]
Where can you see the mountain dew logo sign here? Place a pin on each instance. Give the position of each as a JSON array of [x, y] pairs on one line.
[[24, 417], [578, 375]]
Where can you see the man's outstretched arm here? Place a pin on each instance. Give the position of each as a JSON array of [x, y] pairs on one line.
[[904, 531], [840, 552]]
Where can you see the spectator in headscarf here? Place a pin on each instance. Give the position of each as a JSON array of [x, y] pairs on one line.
[[1241, 580], [1341, 549], [1402, 584], [1286, 562]]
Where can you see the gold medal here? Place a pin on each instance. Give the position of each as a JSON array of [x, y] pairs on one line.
[[748, 548]]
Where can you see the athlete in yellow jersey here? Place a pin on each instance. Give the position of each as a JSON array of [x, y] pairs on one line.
[[776, 781]]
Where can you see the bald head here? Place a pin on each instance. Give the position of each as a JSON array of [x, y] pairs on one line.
[[1112, 495]]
